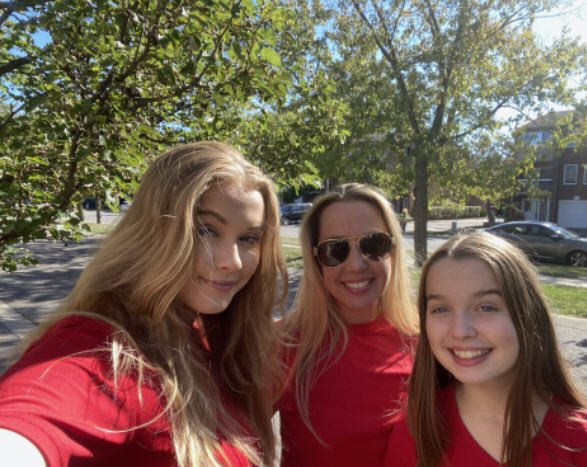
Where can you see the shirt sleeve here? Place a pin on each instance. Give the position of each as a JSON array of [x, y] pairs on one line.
[[60, 394]]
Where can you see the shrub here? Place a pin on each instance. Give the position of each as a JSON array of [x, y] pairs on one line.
[[452, 212]]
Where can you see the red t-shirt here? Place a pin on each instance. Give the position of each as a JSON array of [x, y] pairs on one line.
[[464, 451], [60, 395], [352, 403]]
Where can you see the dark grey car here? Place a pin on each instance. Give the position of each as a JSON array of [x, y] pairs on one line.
[[293, 212], [545, 241]]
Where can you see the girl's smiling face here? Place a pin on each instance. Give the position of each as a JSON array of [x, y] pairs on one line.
[[468, 324], [230, 226]]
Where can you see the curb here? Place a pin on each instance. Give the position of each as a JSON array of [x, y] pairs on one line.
[[570, 322]]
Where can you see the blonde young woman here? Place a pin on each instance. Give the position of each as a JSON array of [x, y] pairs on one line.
[[490, 387], [350, 328], [158, 357]]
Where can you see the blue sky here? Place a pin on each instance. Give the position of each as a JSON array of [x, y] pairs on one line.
[[575, 18]]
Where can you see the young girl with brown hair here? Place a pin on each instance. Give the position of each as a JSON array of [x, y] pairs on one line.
[[489, 385]]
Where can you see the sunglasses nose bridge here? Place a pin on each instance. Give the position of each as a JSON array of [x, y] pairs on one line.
[[355, 253]]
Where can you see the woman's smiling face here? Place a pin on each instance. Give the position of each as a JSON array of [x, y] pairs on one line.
[[230, 226], [357, 284]]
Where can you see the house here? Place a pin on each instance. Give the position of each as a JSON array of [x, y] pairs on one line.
[[561, 177]]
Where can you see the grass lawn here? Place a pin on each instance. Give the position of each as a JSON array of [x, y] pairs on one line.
[[558, 270], [293, 257], [565, 300], [100, 229]]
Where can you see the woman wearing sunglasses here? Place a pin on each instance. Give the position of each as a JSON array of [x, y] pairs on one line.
[[349, 331]]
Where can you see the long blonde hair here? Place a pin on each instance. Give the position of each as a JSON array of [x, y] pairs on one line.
[[134, 281], [315, 319], [540, 367]]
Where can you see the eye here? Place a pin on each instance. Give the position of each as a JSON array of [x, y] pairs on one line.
[[205, 231], [251, 239], [487, 308], [437, 309]]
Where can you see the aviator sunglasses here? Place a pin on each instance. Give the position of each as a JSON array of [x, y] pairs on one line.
[[335, 251]]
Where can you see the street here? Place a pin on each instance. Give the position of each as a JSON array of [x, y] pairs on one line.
[[31, 293]]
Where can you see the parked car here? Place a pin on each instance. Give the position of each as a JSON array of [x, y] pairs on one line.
[[545, 241], [293, 212], [89, 204]]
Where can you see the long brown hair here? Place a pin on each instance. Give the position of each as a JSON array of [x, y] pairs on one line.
[[539, 370], [315, 316], [134, 281]]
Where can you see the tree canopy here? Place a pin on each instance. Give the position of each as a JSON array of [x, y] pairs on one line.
[[91, 90], [405, 95], [448, 68]]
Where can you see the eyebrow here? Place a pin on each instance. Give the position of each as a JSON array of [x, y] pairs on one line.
[[481, 293], [224, 221], [205, 212]]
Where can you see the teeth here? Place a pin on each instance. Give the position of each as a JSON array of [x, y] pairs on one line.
[[357, 285], [470, 353]]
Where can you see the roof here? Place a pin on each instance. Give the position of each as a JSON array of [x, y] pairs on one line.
[[546, 121]]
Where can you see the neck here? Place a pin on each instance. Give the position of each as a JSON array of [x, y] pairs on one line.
[[483, 399], [490, 401], [359, 316]]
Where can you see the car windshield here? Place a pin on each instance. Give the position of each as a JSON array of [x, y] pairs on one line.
[[566, 233]]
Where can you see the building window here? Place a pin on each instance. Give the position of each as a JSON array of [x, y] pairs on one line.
[[571, 173]]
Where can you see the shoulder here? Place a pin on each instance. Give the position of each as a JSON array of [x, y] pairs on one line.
[[69, 336], [72, 350], [564, 434], [401, 446], [567, 424]]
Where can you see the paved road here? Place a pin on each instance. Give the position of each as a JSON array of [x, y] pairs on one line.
[[30, 294]]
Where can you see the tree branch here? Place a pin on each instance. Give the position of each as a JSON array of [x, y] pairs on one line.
[[391, 57]]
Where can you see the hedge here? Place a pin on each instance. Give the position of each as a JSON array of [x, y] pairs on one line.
[[452, 212]]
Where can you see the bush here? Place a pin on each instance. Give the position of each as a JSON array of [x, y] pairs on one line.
[[452, 212]]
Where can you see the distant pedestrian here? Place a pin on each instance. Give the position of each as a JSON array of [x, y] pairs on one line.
[[165, 352], [489, 386], [350, 333]]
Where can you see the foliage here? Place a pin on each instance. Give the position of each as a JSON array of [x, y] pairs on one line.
[[114, 83], [292, 139], [454, 212], [444, 70]]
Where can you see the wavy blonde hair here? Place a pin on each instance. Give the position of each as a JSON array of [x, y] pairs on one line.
[[134, 281], [540, 368], [315, 319]]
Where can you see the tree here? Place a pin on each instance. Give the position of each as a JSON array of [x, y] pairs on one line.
[[451, 66], [292, 138], [114, 83]]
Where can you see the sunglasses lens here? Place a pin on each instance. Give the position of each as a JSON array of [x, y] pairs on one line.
[[333, 252], [375, 246]]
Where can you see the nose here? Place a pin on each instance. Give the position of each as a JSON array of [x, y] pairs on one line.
[[463, 326], [228, 257], [355, 261]]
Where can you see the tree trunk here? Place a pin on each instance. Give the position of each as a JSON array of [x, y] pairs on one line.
[[490, 213], [420, 205], [98, 210]]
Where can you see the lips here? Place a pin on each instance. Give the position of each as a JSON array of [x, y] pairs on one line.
[[469, 356], [222, 286], [358, 286]]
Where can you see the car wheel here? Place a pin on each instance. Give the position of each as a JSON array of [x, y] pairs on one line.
[[285, 221], [577, 258]]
